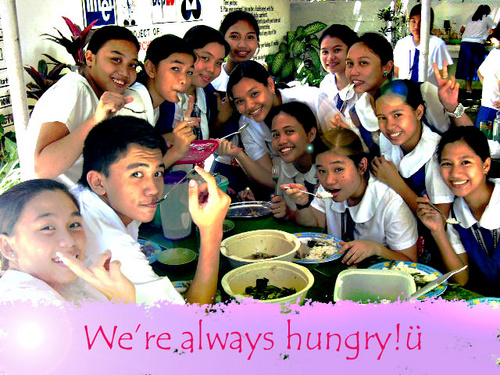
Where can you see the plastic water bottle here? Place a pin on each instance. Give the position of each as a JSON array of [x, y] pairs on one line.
[[495, 131]]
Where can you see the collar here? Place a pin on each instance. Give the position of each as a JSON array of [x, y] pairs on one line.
[[201, 100], [409, 164], [489, 220], [289, 170], [366, 114], [366, 209]]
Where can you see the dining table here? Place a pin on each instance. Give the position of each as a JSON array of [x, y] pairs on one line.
[[325, 273]]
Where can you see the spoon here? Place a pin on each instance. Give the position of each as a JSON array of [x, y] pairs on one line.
[[173, 187], [448, 220], [236, 132], [276, 176], [324, 195]]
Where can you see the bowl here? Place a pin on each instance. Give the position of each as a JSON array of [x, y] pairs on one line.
[[279, 273], [227, 226], [176, 257], [370, 285], [271, 244]]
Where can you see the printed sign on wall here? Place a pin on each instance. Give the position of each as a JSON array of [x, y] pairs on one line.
[[102, 10], [5, 106], [163, 11]]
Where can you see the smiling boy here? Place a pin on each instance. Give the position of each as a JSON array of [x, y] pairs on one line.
[[122, 179], [66, 113]]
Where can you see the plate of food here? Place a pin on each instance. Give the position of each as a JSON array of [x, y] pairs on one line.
[[492, 301], [248, 210], [199, 150], [317, 248], [150, 249], [422, 274]]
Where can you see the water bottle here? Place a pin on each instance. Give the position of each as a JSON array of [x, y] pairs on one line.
[[175, 218], [495, 132]]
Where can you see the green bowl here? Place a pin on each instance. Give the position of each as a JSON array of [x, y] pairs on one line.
[[176, 257]]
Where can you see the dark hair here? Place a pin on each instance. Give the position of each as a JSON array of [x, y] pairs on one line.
[[481, 12], [304, 116], [14, 200], [471, 135], [201, 35], [247, 69], [105, 34], [407, 89], [379, 45], [342, 32], [345, 142], [164, 46], [417, 11], [108, 140], [239, 15]]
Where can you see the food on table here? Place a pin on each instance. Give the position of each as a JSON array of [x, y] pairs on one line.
[[148, 249], [421, 278], [262, 255], [318, 249], [263, 291]]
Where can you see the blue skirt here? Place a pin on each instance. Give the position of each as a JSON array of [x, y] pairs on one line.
[[471, 56]]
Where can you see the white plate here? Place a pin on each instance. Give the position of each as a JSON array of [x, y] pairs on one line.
[[306, 236]]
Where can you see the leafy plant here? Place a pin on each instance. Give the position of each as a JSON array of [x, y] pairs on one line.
[[76, 44], [394, 17], [298, 56], [43, 77], [10, 173]]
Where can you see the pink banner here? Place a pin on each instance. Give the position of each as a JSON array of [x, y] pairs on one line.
[[431, 337]]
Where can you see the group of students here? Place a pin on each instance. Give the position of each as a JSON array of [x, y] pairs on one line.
[[391, 157]]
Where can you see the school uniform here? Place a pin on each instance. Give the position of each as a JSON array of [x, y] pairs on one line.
[[290, 175], [141, 106], [106, 231], [382, 217], [420, 168], [404, 58], [490, 70], [220, 83], [479, 239]]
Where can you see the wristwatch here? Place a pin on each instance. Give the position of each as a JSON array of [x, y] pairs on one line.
[[302, 206], [458, 112]]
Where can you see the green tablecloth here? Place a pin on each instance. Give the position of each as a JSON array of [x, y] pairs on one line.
[[324, 274]]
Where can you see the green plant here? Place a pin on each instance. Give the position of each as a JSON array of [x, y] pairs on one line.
[[394, 17], [76, 44], [298, 56], [43, 77], [10, 173]]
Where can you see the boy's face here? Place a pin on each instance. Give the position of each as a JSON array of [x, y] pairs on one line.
[[113, 67], [171, 77], [134, 183], [415, 26]]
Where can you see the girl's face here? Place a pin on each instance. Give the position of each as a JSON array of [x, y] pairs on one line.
[[341, 177], [462, 169], [48, 224], [253, 99], [364, 69], [290, 140], [170, 78], [242, 39], [207, 66], [398, 121], [113, 67], [333, 54]]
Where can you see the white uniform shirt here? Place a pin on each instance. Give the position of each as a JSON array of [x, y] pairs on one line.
[[329, 85], [106, 231], [220, 83], [257, 137], [21, 286], [490, 70], [478, 31], [290, 175], [404, 54], [423, 154], [142, 105], [201, 103], [382, 217], [70, 101], [489, 220]]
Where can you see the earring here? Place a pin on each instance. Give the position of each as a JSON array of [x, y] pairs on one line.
[[310, 148], [385, 73]]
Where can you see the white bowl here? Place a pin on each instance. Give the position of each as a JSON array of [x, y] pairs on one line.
[[279, 273], [240, 248], [370, 285]]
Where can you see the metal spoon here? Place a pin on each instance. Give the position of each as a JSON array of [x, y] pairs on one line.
[[173, 187], [448, 220], [313, 194], [236, 132]]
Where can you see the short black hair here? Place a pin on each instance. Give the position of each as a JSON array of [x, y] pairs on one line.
[[379, 45], [14, 200], [417, 11], [105, 34], [109, 139], [200, 35], [164, 46], [247, 69], [471, 135], [343, 32], [239, 15], [409, 90]]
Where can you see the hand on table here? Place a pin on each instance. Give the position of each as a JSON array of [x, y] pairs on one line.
[[104, 275], [358, 250], [278, 206]]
